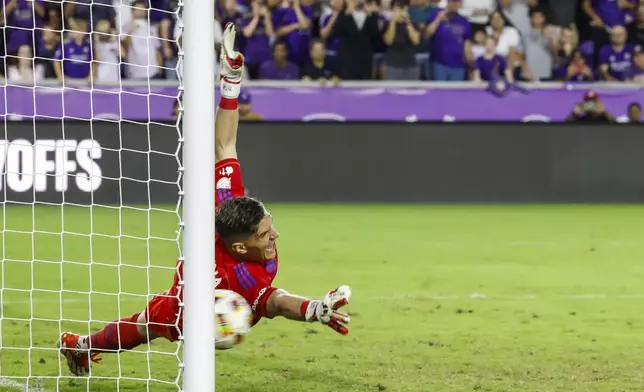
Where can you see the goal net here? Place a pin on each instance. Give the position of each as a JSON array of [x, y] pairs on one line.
[[91, 184]]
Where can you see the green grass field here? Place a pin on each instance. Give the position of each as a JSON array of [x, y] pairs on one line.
[[563, 306]]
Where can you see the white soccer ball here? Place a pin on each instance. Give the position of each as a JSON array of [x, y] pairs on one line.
[[233, 318]]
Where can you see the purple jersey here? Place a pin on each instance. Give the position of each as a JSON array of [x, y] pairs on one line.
[[257, 46], [448, 43], [618, 61], [298, 40], [269, 70], [609, 12], [491, 69], [332, 43], [76, 58], [24, 17]]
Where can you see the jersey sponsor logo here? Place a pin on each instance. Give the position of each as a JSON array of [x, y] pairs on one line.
[[46, 163], [226, 171], [256, 302], [224, 183]]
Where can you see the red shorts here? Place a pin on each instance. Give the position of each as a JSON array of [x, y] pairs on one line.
[[164, 316]]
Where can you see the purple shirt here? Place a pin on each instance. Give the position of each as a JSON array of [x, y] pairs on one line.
[[491, 69], [332, 43], [609, 12], [448, 43], [619, 62], [269, 70], [76, 58], [22, 16], [95, 10], [258, 46], [298, 40], [634, 72]]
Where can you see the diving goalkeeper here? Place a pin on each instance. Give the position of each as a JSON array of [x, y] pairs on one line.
[[245, 251]]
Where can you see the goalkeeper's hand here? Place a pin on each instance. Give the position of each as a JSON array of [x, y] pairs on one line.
[[231, 61], [326, 310]]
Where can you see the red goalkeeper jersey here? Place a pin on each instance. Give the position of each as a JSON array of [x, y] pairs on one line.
[[250, 279]]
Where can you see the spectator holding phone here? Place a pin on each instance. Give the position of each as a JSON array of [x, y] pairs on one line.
[[591, 110], [401, 38], [451, 42], [259, 33]]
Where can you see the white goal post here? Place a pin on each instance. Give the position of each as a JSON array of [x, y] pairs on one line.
[[98, 203], [199, 205]]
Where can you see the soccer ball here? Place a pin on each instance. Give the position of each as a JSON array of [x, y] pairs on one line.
[[233, 318]]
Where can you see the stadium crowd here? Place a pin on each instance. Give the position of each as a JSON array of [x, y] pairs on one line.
[[443, 40]]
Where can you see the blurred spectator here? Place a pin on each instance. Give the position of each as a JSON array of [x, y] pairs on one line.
[[567, 46], [478, 13], [279, 68], [578, 70], [379, 45], [22, 70], [245, 110], [634, 113], [604, 15], [318, 68], [21, 18], [517, 12], [259, 33], [615, 59], [539, 47], [55, 18], [636, 29], [419, 12], [508, 45], [591, 110], [636, 71], [231, 12], [75, 54], [107, 53], [357, 29], [142, 45], [561, 12], [401, 37], [478, 45], [490, 66], [327, 23], [451, 42], [46, 50], [91, 11], [292, 24]]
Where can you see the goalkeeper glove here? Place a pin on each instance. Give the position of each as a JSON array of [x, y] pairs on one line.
[[326, 310], [231, 63]]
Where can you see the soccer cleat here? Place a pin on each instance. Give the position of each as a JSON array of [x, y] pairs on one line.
[[75, 349]]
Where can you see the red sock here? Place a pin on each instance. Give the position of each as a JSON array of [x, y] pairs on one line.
[[118, 335]]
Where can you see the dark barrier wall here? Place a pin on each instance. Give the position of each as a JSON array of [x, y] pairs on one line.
[[331, 162], [443, 162]]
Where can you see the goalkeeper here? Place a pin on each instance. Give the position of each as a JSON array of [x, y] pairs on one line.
[[245, 251]]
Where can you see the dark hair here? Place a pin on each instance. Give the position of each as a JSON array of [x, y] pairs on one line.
[[238, 218], [634, 105], [277, 43]]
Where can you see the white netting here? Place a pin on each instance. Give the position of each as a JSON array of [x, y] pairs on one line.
[[90, 184]]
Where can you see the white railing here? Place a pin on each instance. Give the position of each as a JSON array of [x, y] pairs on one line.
[[357, 84]]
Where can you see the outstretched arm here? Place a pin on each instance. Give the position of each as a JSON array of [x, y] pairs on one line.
[[325, 311], [227, 118]]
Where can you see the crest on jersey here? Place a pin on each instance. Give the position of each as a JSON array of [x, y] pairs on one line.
[[224, 183]]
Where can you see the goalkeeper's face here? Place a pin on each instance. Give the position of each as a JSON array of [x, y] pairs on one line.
[[247, 228], [261, 245]]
